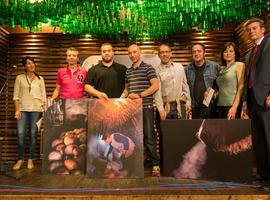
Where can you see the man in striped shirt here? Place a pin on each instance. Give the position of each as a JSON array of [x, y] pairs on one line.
[[142, 82]]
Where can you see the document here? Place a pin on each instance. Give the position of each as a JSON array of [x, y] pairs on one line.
[[210, 94], [39, 123]]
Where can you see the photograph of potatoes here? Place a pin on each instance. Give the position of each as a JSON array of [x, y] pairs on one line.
[[64, 140]]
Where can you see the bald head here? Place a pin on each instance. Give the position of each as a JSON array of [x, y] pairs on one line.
[[134, 54]]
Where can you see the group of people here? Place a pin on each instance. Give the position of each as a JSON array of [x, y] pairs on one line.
[[178, 92]]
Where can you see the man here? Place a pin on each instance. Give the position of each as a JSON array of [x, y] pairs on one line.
[[70, 80], [201, 74], [256, 96], [142, 82], [121, 148], [173, 97], [106, 79], [121, 143]]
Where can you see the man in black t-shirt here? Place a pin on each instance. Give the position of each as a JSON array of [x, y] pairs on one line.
[[106, 79]]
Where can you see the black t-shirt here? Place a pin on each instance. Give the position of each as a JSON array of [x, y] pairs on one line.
[[110, 80], [199, 86]]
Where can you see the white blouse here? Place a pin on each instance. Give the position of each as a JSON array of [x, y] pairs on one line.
[[31, 95]]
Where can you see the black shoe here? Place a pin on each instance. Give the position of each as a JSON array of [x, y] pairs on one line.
[[266, 187], [261, 182]]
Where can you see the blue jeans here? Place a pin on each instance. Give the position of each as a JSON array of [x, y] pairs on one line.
[[149, 136], [173, 113], [28, 119]]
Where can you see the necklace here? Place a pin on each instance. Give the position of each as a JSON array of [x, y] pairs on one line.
[[29, 81]]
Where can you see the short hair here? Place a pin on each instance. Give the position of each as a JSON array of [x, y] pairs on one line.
[[164, 44], [252, 20], [198, 43], [106, 44], [235, 48], [105, 136], [72, 49]]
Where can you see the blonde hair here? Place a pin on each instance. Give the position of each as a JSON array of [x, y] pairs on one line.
[[72, 49]]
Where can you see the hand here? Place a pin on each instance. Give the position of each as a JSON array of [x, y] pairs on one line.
[[205, 94], [162, 114], [188, 110], [267, 102], [18, 115], [244, 112], [102, 95], [133, 96], [231, 113]]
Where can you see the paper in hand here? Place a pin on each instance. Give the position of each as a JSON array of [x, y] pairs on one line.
[[39, 123], [210, 94]]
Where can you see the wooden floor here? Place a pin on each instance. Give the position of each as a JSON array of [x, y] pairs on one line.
[[31, 184]]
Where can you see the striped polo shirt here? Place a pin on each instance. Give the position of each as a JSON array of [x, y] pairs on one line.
[[138, 80]]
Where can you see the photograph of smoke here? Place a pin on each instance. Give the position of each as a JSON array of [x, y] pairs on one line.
[[64, 143], [115, 139], [207, 149]]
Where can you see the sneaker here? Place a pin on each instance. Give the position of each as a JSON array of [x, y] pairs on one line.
[[156, 170], [18, 165], [30, 164]]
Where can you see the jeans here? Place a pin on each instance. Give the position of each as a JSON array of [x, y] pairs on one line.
[[28, 119], [173, 113], [149, 135]]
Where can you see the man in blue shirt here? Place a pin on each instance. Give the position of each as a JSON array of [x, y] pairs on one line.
[[201, 74]]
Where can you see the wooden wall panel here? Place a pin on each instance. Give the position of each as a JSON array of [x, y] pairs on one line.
[[4, 71], [3, 55]]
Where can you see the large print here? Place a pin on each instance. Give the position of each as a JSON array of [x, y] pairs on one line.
[[64, 144], [207, 149], [115, 139]]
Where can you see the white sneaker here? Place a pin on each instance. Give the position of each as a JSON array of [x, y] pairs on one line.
[[30, 164], [18, 165]]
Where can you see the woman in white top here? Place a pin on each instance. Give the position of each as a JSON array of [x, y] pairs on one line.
[[29, 98]]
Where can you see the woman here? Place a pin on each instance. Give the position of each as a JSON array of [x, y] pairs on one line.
[[29, 97], [230, 82]]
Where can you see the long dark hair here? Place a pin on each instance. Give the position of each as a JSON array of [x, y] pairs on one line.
[[24, 61]]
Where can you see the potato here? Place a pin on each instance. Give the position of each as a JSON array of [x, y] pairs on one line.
[[55, 155], [70, 164]]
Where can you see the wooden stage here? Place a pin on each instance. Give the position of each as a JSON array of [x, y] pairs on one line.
[[31, 184]]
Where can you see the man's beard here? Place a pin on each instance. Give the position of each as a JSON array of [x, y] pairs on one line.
[[107, 60]]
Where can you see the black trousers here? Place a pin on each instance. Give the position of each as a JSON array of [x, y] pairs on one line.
[[221, 112], [260, 125], [201, 112]]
